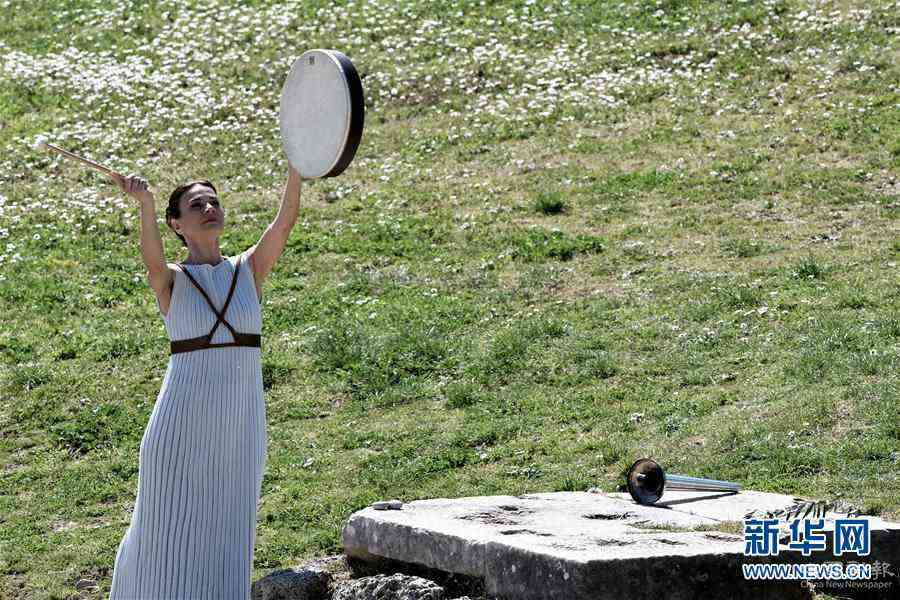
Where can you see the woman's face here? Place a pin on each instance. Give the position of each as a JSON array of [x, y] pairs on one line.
[[201, 214]]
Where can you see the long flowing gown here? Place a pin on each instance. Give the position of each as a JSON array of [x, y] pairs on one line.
[[202, 455]]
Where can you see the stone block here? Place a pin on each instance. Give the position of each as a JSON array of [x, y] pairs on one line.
[[579, 545]]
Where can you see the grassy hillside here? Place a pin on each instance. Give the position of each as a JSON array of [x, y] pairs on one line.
[[575, 233]]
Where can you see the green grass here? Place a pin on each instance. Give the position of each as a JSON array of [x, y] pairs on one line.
[[689, 216]]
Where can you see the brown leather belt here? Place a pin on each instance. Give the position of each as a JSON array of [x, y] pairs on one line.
[[203, 342], [252, 340]]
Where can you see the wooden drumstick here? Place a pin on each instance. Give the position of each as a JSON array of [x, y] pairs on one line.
[[42, 144]]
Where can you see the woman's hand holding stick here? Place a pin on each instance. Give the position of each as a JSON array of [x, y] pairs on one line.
[[151, 241], [134, 186], [137, 188]]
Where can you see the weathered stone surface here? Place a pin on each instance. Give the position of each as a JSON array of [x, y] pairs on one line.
[[314, 580], [578, 545], [454, 584], [389, 587], [719, 506]]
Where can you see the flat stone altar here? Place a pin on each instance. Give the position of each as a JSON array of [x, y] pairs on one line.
[[582, 545]]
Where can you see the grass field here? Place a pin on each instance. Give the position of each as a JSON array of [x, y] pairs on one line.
[[575, 233]]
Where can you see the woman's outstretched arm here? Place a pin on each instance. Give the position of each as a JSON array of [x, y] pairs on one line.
[[270, 246], [151, 242]]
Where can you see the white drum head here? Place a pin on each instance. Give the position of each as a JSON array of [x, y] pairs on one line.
[[322, 110]]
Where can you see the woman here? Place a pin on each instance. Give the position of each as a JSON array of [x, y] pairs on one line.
[[203, 452]]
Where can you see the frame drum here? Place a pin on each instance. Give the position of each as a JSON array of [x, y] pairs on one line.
[[322, 110]]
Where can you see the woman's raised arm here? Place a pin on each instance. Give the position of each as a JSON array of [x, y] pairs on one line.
[[151, 243], [268, 249]]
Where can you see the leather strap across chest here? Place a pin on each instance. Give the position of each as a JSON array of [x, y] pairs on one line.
[[205, 341]]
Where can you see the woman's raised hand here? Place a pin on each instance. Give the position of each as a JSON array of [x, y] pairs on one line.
[[134, 186]]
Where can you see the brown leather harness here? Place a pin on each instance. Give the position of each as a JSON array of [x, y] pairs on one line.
[[204, 341]]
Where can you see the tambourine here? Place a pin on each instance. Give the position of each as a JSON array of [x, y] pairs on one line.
[[322, 112]]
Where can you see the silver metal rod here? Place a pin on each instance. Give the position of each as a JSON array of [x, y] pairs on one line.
[[683, 482]]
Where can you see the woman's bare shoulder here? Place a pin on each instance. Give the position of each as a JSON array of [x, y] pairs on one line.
[[163, 288], [166, 281]]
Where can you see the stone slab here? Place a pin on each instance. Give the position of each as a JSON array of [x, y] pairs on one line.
[[580, 545]]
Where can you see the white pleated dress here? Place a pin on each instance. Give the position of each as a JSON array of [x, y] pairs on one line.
[[202, 455]]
